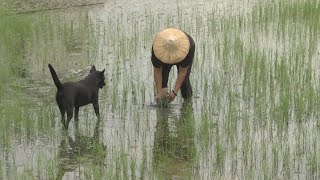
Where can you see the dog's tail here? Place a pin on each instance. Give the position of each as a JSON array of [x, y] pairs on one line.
[[55, 77]]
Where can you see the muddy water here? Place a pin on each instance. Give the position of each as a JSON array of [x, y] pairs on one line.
[[135, 139]]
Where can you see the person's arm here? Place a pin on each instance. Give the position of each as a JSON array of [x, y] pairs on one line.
[[181, 76], [157, 74]]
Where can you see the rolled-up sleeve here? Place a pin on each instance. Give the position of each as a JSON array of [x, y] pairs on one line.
[[155, 61], [189, 58]]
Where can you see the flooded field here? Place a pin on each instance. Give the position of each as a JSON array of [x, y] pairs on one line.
[[254, 114]]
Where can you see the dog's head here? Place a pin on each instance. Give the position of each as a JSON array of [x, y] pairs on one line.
[[99, 76]]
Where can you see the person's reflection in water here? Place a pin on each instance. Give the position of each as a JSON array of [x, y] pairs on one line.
[[83, 147], [174, 148]]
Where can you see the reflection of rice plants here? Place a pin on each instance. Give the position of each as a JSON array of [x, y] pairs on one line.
[[174, 151], [81, 150]]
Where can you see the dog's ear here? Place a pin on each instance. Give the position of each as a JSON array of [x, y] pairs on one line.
[[93, 69], [103, 71]]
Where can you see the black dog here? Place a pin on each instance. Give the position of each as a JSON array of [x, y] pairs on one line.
[[72, 95]]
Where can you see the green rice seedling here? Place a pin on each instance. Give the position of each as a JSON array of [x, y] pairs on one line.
[[133, 168], [143, 163], [44, 118], [49, 168], [205, 129], [118, 168], [232, 117], [39, 164], [124, 164], [275, 158], [220, 153], [313, 164], [286, 162], [264, 161], [1, 170], [14, 31]]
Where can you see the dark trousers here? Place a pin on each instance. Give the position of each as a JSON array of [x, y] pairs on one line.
[[186, 88]]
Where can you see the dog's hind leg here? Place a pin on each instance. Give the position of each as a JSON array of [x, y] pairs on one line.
[[69, 116], [76, 114], [63, 112]]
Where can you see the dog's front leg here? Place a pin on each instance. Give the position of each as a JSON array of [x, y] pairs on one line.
[[96, 109]]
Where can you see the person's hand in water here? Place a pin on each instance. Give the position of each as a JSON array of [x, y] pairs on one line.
[[172, 96], [162, 98]]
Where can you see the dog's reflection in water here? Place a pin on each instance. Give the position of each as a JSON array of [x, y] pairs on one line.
[[174, 148], [80, 150]]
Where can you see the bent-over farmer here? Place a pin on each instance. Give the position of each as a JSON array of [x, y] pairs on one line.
[[172, 47]]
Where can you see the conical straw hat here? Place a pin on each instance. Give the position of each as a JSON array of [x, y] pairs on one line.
[[171, 46]]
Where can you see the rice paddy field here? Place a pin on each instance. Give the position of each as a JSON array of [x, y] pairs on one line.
[[254, 114]]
